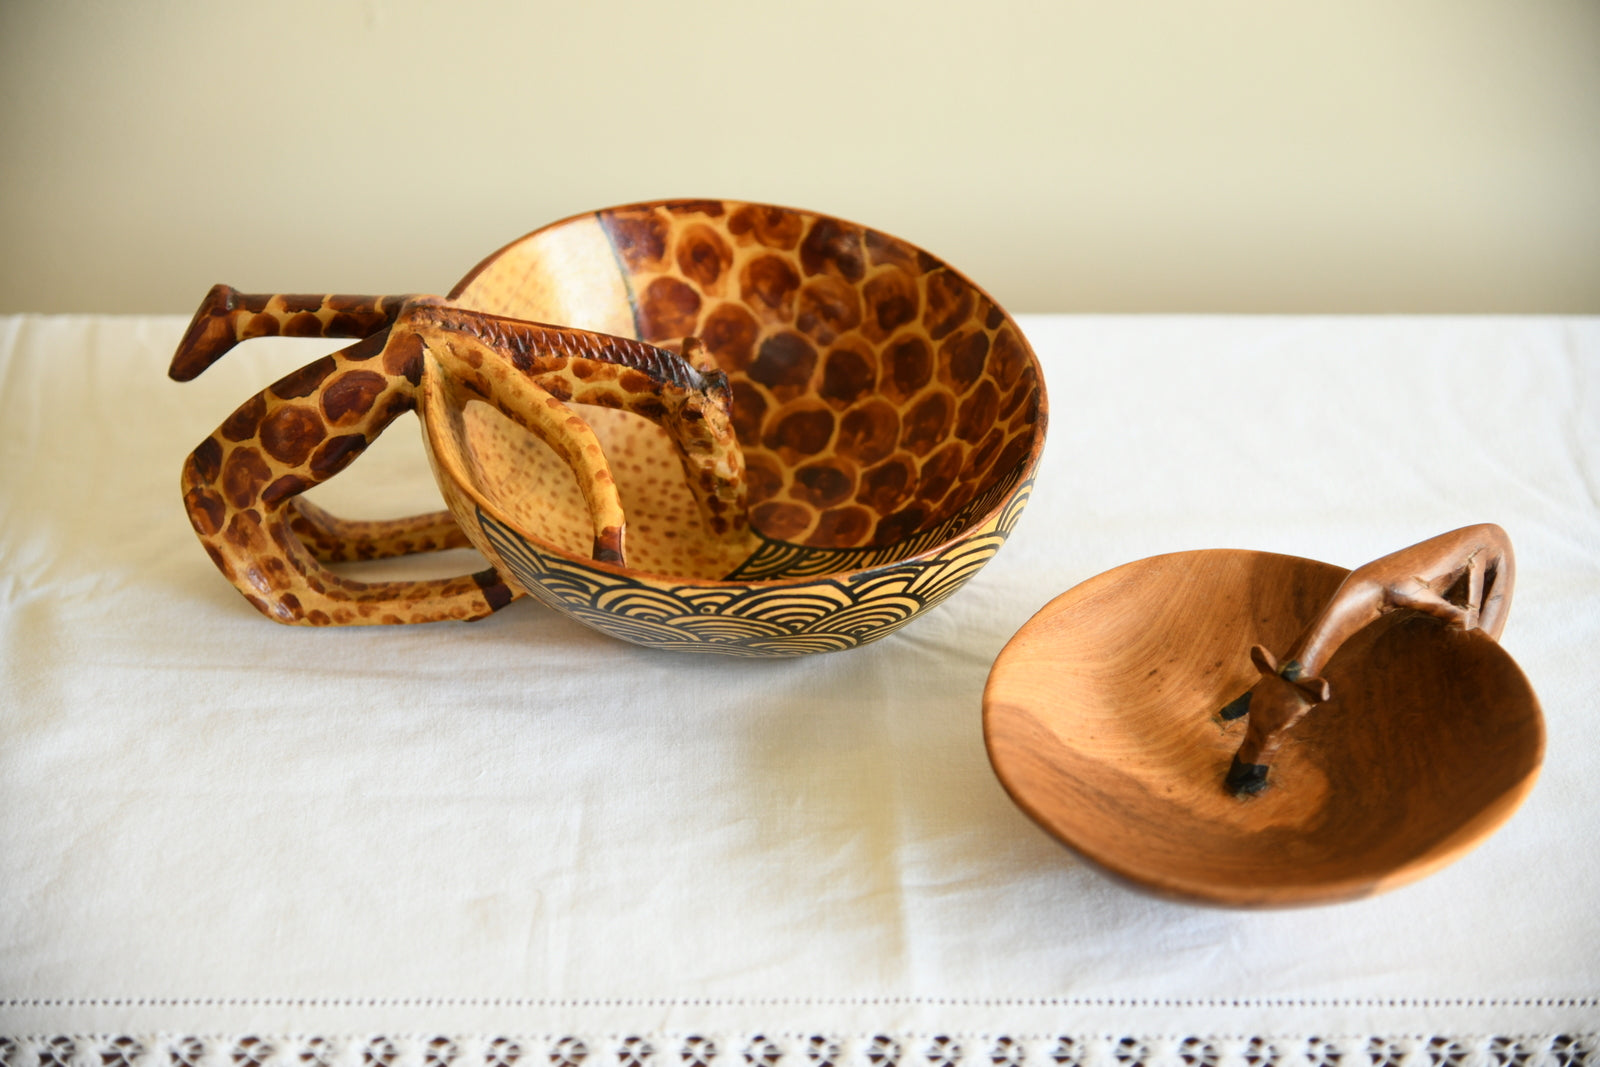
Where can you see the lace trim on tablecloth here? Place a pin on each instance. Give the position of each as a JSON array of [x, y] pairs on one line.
[[799, 1050]]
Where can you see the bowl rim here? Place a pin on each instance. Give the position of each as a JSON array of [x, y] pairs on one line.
[[1024, 469]]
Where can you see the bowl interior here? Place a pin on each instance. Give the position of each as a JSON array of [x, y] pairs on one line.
[[1101, 721], [883, 402]]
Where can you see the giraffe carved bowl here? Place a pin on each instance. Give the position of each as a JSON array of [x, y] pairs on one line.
[[1247, 729], [695, 425]]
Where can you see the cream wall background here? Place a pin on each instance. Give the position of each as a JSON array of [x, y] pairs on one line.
[[1358, 156]]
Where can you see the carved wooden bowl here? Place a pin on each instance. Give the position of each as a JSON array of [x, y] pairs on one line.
[[1101, 720], [890, 413]]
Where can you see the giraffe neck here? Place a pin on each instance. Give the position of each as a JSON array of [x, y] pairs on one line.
[[526, 342], [1356, 604]]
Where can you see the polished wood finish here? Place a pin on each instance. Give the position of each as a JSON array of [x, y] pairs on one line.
[[1101, 718], [241, 486], [752, 430], [1463, 578]]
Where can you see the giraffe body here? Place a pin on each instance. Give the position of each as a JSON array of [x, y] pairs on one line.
[[241, 485]]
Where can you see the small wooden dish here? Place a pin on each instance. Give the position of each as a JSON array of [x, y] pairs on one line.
[[1102, 718]]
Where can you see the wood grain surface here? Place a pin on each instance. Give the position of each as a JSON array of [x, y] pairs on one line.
[[1101, 720]]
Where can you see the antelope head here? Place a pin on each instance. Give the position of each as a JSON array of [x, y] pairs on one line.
[[1275, 703]]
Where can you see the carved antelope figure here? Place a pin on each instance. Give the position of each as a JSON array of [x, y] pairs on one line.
[[1463, 578]]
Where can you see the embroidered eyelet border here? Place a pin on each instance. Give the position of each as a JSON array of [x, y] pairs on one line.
[[798, 1050]]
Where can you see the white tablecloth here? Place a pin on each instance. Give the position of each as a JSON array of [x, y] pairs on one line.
[[516, 842]]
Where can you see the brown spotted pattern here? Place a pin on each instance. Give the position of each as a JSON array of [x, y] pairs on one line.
[[876, 391], [242, 483], [227, 316], [891, 415]]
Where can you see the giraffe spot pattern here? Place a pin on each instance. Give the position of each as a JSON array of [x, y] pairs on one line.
[[304, 381], [879, 397], [207, 460], [244, 474], [283, 488], [730, 333], [833, 247], [784, 365], [846, 525], [927, 423], [888, 485], [869, 431], [827, 308], [207, 512], [289, 434], [366, 348], [641, 239], [242, 424], [823, 484], [782, 521], [948, 303], [403, 359], [703, 257], [978, 413], [668, 308], [891, 296], [848, 375], [260, 325], [848, 351], [749, 411], [768, 226], [337, 454], [939, 473], [351, 395], [962, 358], [910, 368], [303, 324], [304, 303], [800, 433], [768, 286]]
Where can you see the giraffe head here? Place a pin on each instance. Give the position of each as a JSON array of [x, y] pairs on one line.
[[1281, 698]]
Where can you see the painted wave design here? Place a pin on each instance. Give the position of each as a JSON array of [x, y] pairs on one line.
[[781, 559], [828, 615]]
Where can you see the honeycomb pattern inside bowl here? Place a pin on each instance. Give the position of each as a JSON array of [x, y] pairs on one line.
[[882, 400]]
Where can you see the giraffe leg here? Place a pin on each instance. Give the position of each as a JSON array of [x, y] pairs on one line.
[[227, 316], [241, 482], [1428, 602], [463, 368], [1499, 576], [335, 540], [685, 394]]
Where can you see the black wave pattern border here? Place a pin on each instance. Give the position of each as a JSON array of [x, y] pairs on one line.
[[828, 615], [784, 559]]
